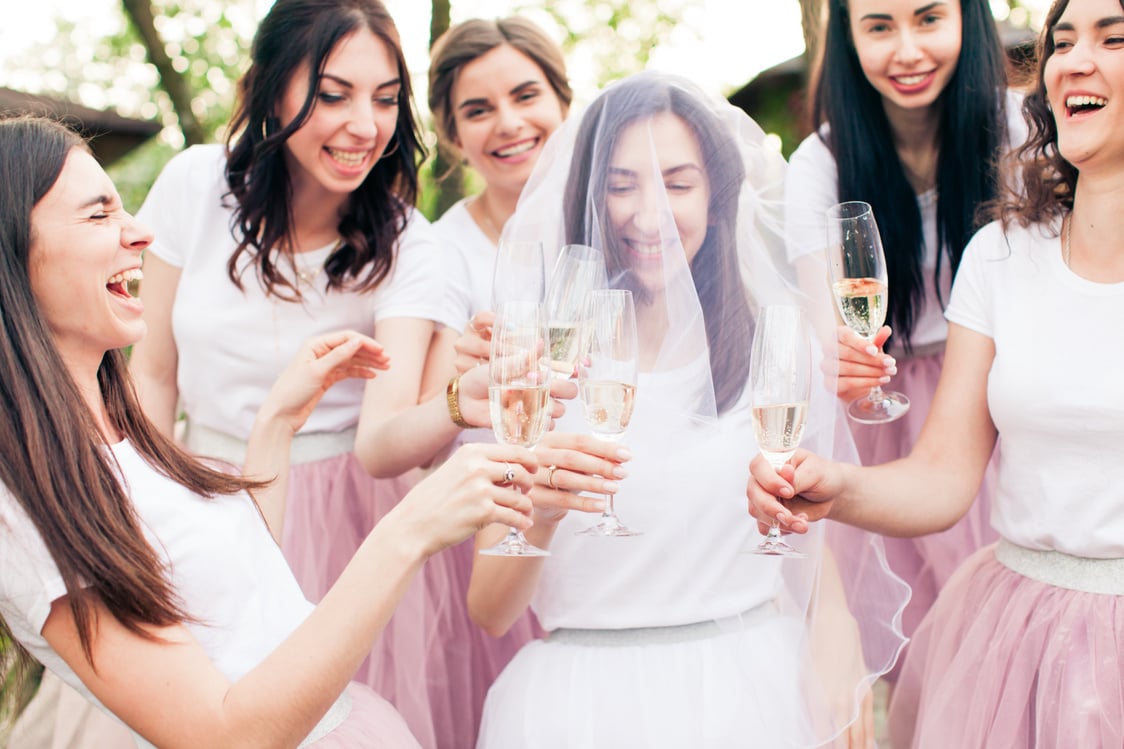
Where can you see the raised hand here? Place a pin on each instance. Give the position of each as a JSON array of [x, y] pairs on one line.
[[473, 347], [473, 396], [858, 369], [801, 492], [573, 463]]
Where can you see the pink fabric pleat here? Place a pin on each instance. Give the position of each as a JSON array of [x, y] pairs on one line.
[[926, 563], [372, 724], [432, 663], [1007, 662]]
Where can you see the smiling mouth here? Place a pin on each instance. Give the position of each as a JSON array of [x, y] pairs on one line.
[[909, 81], [516, 149], [644, 250], [349, 159], [1075, 105], [118, 285]]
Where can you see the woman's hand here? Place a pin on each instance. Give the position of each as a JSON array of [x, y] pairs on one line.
[[573, 463], [801, 492], [472, 399], [320, 363], [470, 491], [474, 345], [862, 365]]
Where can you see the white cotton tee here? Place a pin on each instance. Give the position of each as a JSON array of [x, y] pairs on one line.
[[1054, 389], [472, 259], [812, 187], [232, 344], [222, 562]]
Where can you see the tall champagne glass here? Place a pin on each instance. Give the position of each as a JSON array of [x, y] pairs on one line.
[[607, 374], [579, 271], [780, 384], [858, 281], [519, 274], [519, 394]]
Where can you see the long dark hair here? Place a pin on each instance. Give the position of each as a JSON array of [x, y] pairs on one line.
[[53, 460], [972, 130], [1048, 180], [296, 31], [714, 269]]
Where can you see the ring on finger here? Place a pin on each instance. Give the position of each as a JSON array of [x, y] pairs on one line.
[[550, 476], [508, 474]]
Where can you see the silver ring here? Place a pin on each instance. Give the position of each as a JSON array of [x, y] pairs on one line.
[[550, 476], [509, 474]]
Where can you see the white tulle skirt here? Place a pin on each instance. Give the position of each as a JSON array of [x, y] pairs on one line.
[[701, 685]]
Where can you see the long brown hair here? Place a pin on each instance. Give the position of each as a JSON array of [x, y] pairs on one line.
[[53, 460], [296, 31]]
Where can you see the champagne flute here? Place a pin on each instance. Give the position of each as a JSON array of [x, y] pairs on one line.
[[519, 394], [607, 374], [858, 281], [579, 271], [519, 273], [780, 384]]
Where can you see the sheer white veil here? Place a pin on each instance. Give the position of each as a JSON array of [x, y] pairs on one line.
[[655, 148]]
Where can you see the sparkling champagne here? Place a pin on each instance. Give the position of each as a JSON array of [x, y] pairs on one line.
[[565, 337], [608, 405], [779, 429], [862, 302], [519, 413]]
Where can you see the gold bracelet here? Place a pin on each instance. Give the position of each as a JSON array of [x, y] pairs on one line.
[[452, 398]]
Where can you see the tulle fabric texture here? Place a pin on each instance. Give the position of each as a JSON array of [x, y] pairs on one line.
[[432, 662], [1007, 662], [926, 563], [372, 724], [828, 605]]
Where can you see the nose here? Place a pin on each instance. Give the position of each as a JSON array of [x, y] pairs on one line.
[[362, 123], [135, 235], [509, 120], [646, 213], [909, 51], [1077, 61]]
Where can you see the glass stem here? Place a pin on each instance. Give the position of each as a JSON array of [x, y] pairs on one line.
[[876, 395]]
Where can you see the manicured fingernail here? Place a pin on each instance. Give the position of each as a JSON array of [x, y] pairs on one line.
[[872, 350], [623, 453], [619, 472], [892, 371], [889, 362], [883, 380], [786, 491], [610, 486]]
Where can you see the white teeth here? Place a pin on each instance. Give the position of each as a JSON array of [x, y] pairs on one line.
[[646, 249], [1085, 101], [516, 149], [133, 274], [348, 158], [911, 80]]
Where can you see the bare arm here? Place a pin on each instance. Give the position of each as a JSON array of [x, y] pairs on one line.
[[155, 360], [171, 693], [924, 492]]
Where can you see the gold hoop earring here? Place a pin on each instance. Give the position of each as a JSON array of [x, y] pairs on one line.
[[391, 152]]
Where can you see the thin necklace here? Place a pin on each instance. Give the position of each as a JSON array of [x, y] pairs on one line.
[[308, 275], [1068, 237]]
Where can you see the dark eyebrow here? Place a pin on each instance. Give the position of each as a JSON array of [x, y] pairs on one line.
[[348, 84], [1101, 24], [515, 91], [99, 200], [887, 17], [524, 85], [682, 168]]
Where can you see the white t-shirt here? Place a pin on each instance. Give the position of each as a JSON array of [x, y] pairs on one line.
[[812, 186], [222, 562], [233, 343], [472, 258], [1054, 390]]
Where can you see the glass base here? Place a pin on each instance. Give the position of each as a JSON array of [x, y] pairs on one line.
[[878, 408], [776, 548], [610, 526], [514, 545]]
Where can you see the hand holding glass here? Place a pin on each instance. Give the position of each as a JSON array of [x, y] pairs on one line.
[[519, 394], [607, 374], [858, 281], [780, 383]]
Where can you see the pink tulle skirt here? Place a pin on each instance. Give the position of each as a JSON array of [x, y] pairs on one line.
[[431, 662], [926, 563], [1007, 662], [372, 723]]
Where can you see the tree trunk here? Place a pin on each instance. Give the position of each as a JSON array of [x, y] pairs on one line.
[[448, 175], [174, 82]]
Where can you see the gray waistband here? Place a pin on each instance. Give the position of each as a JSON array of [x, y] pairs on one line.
[[307, 447], [918, 352], [1062, 570], [332, 719], [663, 635]]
